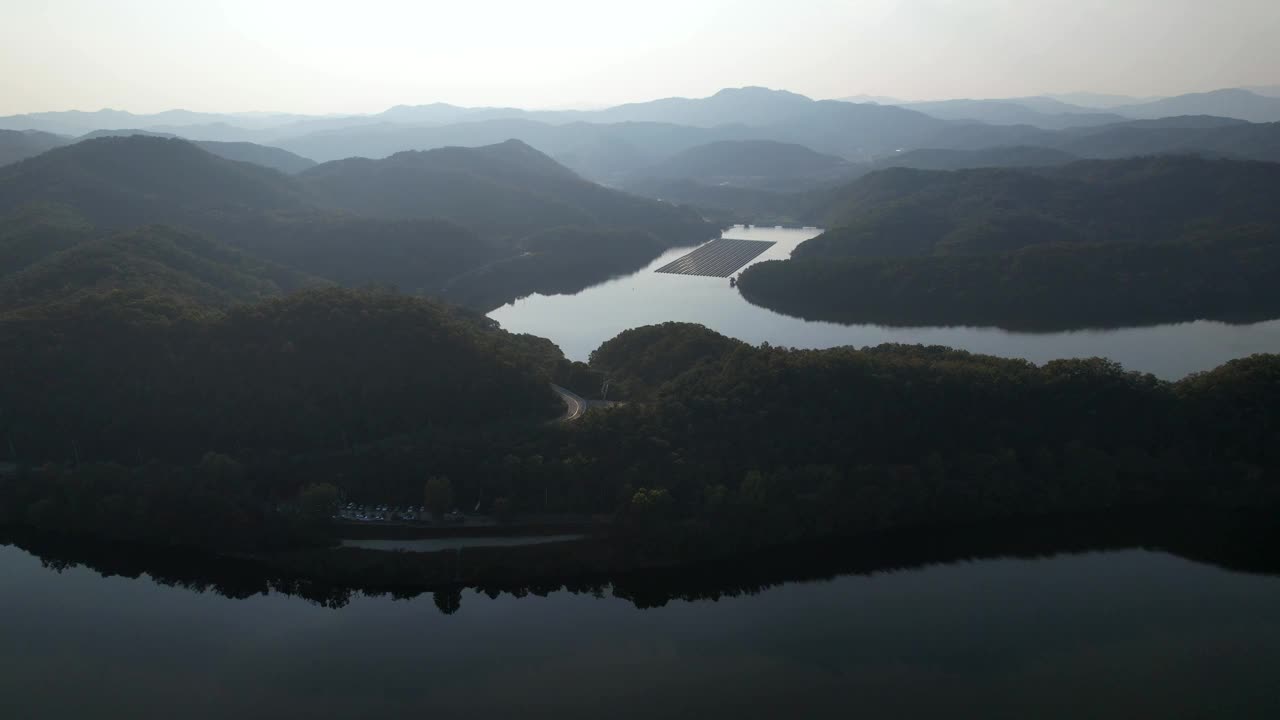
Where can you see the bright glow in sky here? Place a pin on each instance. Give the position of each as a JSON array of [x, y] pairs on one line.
[[321, 56]]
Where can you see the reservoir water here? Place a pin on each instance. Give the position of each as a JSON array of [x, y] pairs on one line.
[[1123, 633], [1143, 627], [579, 323]]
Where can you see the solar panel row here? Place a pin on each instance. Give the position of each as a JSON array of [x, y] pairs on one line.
[[718, 258]]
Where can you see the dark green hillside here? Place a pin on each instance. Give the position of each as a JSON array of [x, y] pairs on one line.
[[1152, 199], [119, 182], [397, 188], [252, 153], [506, 190], [137, 180], [415, 221], [556, 261], [744, 446], [641, 359], [35, 231], [721, 447], [154, 259], [416, 256], [1092, 243], [1230, 275], [130, 376]]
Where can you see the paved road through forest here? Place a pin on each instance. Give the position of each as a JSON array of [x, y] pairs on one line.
[[575, 406]]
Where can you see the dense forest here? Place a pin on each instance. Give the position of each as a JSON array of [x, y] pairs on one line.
[[907, 213], [758, 444], [416, 221], [126, 375], [1096, 243], [720, 447], [504, 191], [1231, 275], [557, 261], [116, 404]]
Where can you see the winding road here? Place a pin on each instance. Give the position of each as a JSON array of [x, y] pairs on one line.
[[575, 406]]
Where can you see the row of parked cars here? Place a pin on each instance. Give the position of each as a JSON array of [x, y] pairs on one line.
[[390, 513]]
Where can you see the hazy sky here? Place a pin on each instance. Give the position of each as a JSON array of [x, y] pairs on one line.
[[365, 55]]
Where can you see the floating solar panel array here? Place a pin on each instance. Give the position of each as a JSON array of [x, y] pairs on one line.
[[718, 258]]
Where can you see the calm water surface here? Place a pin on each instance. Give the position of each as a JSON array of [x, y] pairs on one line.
[[580, 323], [1121, 634]]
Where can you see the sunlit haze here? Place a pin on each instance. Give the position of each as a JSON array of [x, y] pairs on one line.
[[323, 56]]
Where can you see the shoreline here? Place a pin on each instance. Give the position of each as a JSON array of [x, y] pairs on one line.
[[1238, 540]]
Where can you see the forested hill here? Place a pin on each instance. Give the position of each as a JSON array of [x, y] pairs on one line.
[[510, 188], [641, 360], [1229, 274], [37, 231], [130, 375], [504, 190], [127, 181], [901, 212], [1089, 244], [722, 446], [16, 146], [739, 446], [155, 259], [418, 221]]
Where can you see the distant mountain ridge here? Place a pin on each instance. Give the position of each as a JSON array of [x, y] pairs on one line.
[[995, 157], [503, 190], [128, 181], [1080, 109], [851, 131], [1231, 102], [751, 106], [16, 145], [624, 145], [750, 163], [611, 144], [1037, 112]]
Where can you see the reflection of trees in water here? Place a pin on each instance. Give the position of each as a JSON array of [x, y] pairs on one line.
[[448, 600], [1235, 541]]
